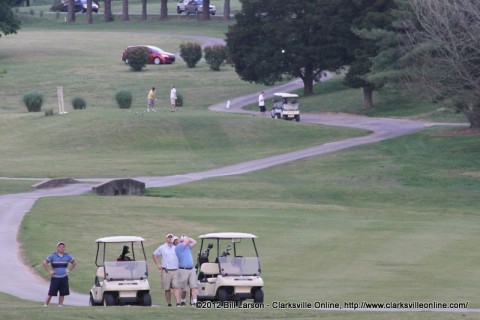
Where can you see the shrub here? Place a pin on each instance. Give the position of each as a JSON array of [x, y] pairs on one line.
[[57, 14], [137, 58], [191, 53], [79, 103], [215, 56], [41, 13], [124, 99], [179, 100], [32, 12], [33, 100], [48, 112]]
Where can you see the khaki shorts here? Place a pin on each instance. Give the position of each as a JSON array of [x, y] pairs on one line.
[[187, 278], [169, 279]]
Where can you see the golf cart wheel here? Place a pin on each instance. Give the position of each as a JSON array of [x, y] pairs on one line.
[[108, 300], [277, 116], [222, 295], [147, 300], [91, 302], [258, 296], [297, 118]]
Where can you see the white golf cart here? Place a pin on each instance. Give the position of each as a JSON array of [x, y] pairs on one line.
[[233, 273], [122, 273], [285, 106]]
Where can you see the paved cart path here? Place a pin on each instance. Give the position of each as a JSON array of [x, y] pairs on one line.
[[19, 280]]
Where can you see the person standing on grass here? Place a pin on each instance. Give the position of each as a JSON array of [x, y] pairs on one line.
[[168, 268], [187, 276], [261, 103], [173, 98], [59, 261], [151, 98]]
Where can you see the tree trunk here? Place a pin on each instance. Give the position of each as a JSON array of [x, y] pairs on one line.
[[367, 97], [107, 14], [226, 10], [71, 11], [163, 9], [206, 10], [144, 10], [89, 12], [125, 16]]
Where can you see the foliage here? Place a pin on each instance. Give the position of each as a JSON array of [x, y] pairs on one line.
[[79, 103], [275, 40], [9, 22], [137, 58], [33, 100], [191, 53], [49, 112], [179, 100], [124, 99], [215, 56]]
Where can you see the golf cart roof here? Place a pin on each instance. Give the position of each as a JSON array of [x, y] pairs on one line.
[[227, 235], [285, 95], [120, 239]]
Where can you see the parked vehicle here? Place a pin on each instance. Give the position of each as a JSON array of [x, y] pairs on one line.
[[80, 6], [121, 279], [196, 7], [285, 106], [181, 5], [157, 55], [84, 6], [233, 273]]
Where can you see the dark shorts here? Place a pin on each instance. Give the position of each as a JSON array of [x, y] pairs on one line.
[[262, 108], [59, 285]]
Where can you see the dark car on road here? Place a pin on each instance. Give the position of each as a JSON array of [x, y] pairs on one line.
[[157, 55]]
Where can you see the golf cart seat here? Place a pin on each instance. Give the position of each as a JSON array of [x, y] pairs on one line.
[[99, 276], [210, 271]]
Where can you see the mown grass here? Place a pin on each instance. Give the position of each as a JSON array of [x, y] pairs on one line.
[[394, 221]]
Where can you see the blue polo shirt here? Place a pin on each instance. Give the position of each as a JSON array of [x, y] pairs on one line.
[[59, 263], [184, 254]]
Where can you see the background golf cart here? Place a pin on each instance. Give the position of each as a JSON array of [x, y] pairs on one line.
[[229, 268], [122, 272], [285, 106]]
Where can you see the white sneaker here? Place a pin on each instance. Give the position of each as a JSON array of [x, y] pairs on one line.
[[45, 305]]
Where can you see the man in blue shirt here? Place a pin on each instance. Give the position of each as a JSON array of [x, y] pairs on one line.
[[187, 273], [59, 261]]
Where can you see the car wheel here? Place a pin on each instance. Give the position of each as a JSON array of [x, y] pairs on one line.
[[222, 295], [157, 60], [126, 61], [147, 300], [258, 296], [108, 300]]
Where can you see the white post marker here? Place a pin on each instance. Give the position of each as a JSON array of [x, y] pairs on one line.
[[61, 105], [228, 105]]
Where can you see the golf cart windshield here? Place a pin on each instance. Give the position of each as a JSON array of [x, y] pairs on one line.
[[239, 266], [126, 270]]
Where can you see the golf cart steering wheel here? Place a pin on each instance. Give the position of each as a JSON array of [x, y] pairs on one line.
[[238, 261]]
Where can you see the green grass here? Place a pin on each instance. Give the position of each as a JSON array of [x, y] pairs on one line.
[[393, 221]]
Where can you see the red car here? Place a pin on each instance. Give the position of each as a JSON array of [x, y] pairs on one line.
[[157, 55]]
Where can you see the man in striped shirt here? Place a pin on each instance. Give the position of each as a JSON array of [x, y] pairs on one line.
[[59, 270]]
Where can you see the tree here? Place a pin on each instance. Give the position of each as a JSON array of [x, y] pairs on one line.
[[277, 39], [144, 10], [164, 9], [206, 10], [9, 22], [107, 12], [89, 12], [371, 16], [226, 10], [71, 11], [440, 42], [125, 16]]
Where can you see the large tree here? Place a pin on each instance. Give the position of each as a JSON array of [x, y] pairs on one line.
[[163, 9], [441, 51], [107, 12], [9, 23], [226, 10], [125, 14], [206, 10], [372, 16], [277, 39]]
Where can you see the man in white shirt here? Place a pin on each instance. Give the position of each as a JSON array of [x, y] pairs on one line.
[[168, 268], [173, 98], [261, 103]]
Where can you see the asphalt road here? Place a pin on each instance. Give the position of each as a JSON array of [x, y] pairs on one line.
[[19, 280]]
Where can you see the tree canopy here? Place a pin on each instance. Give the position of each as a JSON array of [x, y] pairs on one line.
[[278, 39], [9, 23]]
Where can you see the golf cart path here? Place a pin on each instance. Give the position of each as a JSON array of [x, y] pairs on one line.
[[19, 280]]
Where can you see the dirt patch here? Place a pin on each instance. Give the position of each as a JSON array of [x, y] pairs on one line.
[[466, 132]]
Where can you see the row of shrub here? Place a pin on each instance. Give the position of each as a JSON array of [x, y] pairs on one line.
[[191, 53], [33, 100]]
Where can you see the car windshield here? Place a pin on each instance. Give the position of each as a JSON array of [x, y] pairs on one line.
[[239, 266], [126, 270]]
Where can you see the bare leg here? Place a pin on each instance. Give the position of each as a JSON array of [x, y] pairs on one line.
[[47, 300], [168, 296], [60, 300]]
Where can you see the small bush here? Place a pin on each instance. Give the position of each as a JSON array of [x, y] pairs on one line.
[[124, 99], [79, 103], [32, 12], [215, 56], [179, 100], [33, 100], [191, 53], [57, 14], [48, 112], [137, 58], [41, 13]]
